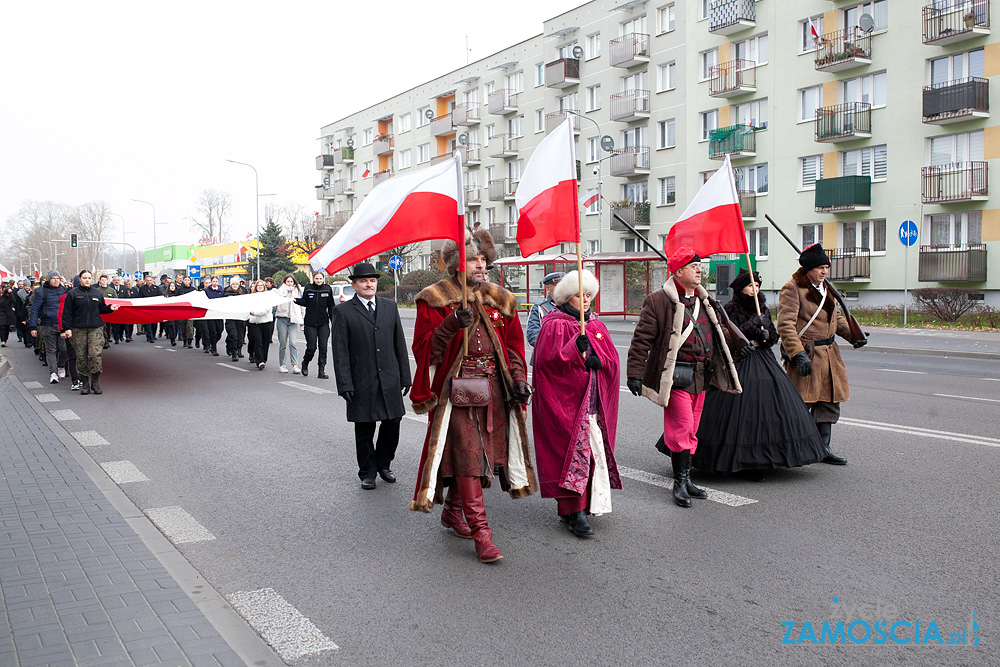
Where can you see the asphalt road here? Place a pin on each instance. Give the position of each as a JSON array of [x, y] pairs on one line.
[[268, 470]]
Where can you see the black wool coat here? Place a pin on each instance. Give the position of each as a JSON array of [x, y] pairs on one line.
[[370, 358]]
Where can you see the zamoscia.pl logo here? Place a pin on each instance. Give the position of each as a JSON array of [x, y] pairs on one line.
[[877, 623]]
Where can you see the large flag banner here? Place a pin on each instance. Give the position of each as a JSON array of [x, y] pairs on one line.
[[5, 272], [191, 306], [547, 202], [712, 222], [427, 204]]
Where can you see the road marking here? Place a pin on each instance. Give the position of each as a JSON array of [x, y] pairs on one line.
[[170, 349], [280, 624], [123, 472], [32, 385], [64, 415], [987, 379], [89, 438], [414, 417], [305, 387], [235, 368], [714, 495], [158, 347], [47, 398], [896, 370], [969, 398], [925, 432], [178, 525]]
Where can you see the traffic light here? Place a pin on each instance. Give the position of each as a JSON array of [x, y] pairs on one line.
[[121, 273], [72, 241]]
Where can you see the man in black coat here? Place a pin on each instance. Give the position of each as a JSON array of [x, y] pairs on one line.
[[373, 372]]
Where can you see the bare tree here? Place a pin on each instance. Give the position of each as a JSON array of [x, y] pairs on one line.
[[92, 222], [213, 208], [30, 233]]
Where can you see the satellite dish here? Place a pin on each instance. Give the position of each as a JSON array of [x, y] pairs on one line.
[[577, 51], [866, 23], [608, 143], [350, 143], [326, 181], [429, 114], [463, 139]]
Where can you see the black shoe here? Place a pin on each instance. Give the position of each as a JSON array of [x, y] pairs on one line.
[[234, 357], [173, 343], [215, 353], [825, 432], [368, 483], [321, 375], [387, 475], [239, 354], [107, 345], [834, 460], [117, 341], [579, 525], [207, 351], [681, 462], [305, 368]]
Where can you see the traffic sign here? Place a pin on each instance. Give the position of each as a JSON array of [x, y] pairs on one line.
[[396, 262], [908, 233], [194, 271], [138, 275]]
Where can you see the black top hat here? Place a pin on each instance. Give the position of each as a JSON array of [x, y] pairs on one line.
[[363, 270]]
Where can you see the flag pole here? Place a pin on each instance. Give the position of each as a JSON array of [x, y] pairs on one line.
[[568, 127], [753, 281], [579, 279], [456, 156]]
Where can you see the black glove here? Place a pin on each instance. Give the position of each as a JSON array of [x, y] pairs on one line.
[[758, 322], [522, 392], [862, 342], [803, 364], [347, 395], [406, 389], [592, 363], [582, 344], [742, 353], [634, 386], [464, 316]]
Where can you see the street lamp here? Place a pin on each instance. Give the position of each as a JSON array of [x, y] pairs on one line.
[[123, 239], [39, 260], [55, 253], [256, 192], [600, 245]]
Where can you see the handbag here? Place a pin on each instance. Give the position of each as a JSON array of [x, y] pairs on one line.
[[683, 375], [470, 392]]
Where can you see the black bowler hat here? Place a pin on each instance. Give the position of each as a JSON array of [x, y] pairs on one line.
[[363, 270]]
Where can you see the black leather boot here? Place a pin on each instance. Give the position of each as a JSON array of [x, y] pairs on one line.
[[693, 491], [305, 367], [681, 469], [579, 525], [84, 385], [825, 432], [322, 374], [94, 386]]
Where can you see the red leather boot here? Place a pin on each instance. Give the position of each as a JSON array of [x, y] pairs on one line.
[[451, 515], [471, 491]]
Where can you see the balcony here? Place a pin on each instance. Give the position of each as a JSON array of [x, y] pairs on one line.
[[502, 102], [325, 162], [630, 50], [562, 73], [846, 193], [504, 232], [473, 195], [634, 213], [342, 187], [736, 141], [957, 22], [748, 203], [343, 155], [465, 114], [442, 126], [324, 193], [501, 146], [952, 263], [341, 217], [844, 122], [954, 101], [630, 105], [632, 161], [440, 158], [382, 146], [958, 181], [502, 189], [844, 49], [731, 16], [555, 119], [381, 176], [736, 77], [470, 155], [850, 264]]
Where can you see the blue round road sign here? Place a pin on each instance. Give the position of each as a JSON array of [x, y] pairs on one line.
[[908, 233], [138, 275], [396, 262]]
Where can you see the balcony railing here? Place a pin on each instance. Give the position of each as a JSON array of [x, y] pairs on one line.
[[630, 105], [953, 101], [846, 193], [635, 214], [630, 50], [556, 118], [844, 49], [341, 217], [844, 122], [325, 162], [501, 232], [466, 114], [562, 73], [848, 264], [473, 195], [382, 146], [343, 155], [748, 203], [382, 176], [729, 16], [470, 154], [440, 158], [501, 145], [502, 189], [502, 102], [442, 126], [945, 23], [958, 181], [735, 77], [342, 187], [632, 161], [324, 193], [736, 141], [952, 263]]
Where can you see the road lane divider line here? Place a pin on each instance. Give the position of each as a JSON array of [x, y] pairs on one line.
[[47, 398], [89, 438], [969, 398], [235, 368], [64, 415], [987, 379], [179, 526], [714, 495], [123, 472], [280, 624], [158, 347], [306, 387], [897, 370], [925, 432]]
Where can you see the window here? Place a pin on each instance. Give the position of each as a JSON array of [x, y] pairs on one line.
[[961, 147], [749, 113], [810, 171], [667, 191], [810, 32], [593, 247], [566, 50], [594, 98], [515, 82], [810, 234], [352, 173], [867, 234], [665, 18], [752, 178], [491, 217], [810, 99], [635, 137], [594, 207], [757, 241], [404, 158], [593, 149], [633, 26], [472, 217], [637, 81], [636, 192], [366, 136], [954, 228], [707, 60], [539, 75], [702, 9], [878, 10], [491, 131], [593, 46], [515, 126], [423, 153], [404, 122], [753, 49], [369, 166], [870, 162], [511, 221], [630, 245], [514, 169], [666, 134], [422, 118], [539, 120], [665, 77], [957, 66], [709, 122], [869, 89]]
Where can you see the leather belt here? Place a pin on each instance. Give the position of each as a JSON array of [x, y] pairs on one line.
[[825, 341], [484, 366]]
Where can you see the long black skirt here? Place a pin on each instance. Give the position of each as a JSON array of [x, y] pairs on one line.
[[767, 426]]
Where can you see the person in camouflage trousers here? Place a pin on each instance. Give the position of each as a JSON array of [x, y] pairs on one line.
[[81, 323]]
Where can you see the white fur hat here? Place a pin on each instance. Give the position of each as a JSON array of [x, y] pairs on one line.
[[570, 285]]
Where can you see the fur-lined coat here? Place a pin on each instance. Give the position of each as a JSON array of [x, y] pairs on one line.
[[432, 383], [652, 354], [798, 300]]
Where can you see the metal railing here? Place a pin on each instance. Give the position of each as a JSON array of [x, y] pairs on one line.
[[960, 97], [556, 118], [630, 161], [442, 125], [748, 203], [342, 186], [473, 195], [563, 72], [843, 48], [635, 214], [733, 77], [956, 181], [952, 263], [728, 14], [630, 104], [502, 102], [630, 49], [466, 113], [340, 217], [344, 154], [844, 193], [732, 140], [501, 189], [954, 21], [843, 121], [382, 176], [501, 145], [382, 146], [849, 263], [469, 152], [324, 162]]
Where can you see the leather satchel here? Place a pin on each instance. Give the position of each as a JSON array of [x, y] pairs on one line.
[[470, 392]]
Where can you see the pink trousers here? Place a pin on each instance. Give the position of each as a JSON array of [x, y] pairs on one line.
[[680, 420]]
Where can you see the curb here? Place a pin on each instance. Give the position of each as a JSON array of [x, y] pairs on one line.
[[4, 366]]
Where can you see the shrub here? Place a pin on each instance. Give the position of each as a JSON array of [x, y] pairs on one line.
[[279, 276], [385, 283], [301, 278], [420, 278], [404, 293], [945, 303]]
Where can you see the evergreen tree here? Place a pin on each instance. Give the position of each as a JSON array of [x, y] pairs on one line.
[[272, 247]]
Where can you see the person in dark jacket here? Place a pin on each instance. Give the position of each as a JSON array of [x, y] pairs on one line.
[[128, 291], [373, 372], [21, 295], [8, 317], [81, 314], [213, 328], [44, 323], [236, 330], [317, 299], [186, 327], [148, 290]]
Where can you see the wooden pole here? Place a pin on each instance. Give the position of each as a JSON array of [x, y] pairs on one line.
[[465, 304], [579, 276], [753, 282]]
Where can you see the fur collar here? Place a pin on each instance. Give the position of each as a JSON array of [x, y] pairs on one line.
[[745, 302], [447, 293], [670, 287], [801, 281]]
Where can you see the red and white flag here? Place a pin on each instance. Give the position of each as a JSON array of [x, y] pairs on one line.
[[366, 172], [817, 38], [547, 200], [591, 197], [249, 234], [424, 205], [712, 221], [5, 272]]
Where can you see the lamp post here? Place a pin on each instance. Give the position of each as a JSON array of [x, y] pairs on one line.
[[123, 239], [55, 254], [600, 205], [256, 192], [39, 260], [142, 201]]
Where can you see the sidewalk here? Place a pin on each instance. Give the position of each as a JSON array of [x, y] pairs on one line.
[[78, 584]]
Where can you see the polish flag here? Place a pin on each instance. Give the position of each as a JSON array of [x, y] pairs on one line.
[[249, 234], [591, 197], [5, 272], [817, 38], [365, 174], [712, 222], [547, 199], [424, 205]]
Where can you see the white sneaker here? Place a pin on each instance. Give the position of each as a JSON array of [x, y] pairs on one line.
[[295, 369], [282, 369], [61, 372], [260, 366], [53, 379], [76, 386]]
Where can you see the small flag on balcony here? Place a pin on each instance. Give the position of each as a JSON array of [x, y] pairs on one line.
[[591, 197], [817, 38], [366, 173], [547, 198], [249, 235], [712, 222]]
